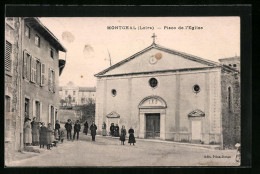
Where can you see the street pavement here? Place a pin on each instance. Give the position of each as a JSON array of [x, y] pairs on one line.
[[107, 151]]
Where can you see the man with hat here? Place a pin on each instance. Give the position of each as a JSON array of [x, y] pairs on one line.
[[68, 127]]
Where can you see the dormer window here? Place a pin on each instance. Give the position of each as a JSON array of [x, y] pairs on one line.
[[27, 31], [37, 41], [234, 65], [51, 53]]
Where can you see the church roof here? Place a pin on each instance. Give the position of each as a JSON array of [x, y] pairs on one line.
[[171, 51]]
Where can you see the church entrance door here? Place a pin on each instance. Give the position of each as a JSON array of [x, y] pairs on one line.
[[153, 125]]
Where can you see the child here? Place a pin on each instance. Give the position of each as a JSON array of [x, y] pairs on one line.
[[131, 136], [62, 136]]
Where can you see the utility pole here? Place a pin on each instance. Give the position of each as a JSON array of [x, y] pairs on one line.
[[109, 58]]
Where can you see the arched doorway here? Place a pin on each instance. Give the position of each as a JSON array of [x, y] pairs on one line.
[[152, 113]]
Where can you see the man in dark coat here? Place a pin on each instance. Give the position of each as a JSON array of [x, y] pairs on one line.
[[76, 130], [85, 128], [68, 127], [112, 129], [43, 135], [93, 129]]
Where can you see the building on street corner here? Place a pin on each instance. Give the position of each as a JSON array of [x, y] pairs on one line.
[[32, 70]]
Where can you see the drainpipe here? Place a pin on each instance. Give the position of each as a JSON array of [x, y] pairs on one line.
[[20, 68]]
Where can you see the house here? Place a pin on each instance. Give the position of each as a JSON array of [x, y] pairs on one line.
[[32, 70]]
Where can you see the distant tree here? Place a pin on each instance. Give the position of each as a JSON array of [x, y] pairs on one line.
[[62, 101], [69, 100], [87, 111]]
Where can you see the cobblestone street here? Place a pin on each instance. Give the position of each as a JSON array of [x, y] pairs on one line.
[[107, 151]]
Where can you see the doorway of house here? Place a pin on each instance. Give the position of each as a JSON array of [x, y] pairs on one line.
[[153, 125]]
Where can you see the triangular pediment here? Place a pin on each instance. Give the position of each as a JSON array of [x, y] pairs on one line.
[[196, 113], [156, 58], [113, 115]]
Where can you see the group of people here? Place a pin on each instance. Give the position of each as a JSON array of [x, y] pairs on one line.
[[77, 127], [114, 131], [37, 134]]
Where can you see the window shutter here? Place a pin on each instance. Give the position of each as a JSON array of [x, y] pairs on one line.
[[49, 79], [53, 83], [49, 120], [28, 73], [34, 108], [24, 64], [8, 52], [43, 76], [33, 69]]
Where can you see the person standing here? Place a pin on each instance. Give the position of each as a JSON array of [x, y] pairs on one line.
[[49, 136], [116, 131], [76, 130], [112, 129], [27, 132], [131, 136], [68, 127], [104, 129], [43, 135], [93, 129], [35, 132], [85, 128], [57, 130], [123, 134]]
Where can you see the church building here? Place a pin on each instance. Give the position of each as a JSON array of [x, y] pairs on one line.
[[170, 95]]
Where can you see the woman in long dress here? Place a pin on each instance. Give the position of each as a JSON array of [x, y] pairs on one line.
[[131, 136], [104, 129], [27, 132], [43, 135], [122, 136], [35, 132], [57, 130], [49, 136]]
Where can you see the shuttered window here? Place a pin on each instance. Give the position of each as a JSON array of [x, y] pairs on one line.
[[8, 52], [53, 81], [33, 70], [38, 72], [26, 66], [43, 76]]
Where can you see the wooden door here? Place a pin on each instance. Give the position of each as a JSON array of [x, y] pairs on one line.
[[152, 125]]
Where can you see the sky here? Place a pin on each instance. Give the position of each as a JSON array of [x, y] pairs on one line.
[[89, 41]]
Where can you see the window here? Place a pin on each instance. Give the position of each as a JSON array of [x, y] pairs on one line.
[[33, 70], [66, 92], [7, 104], [82, 100], [10, 21], [37, 110], [229, 99], [196, 88], [113, 92], [74, 92], [8, 52], [51, 81], [27, 31], [38, 72], [51, 53], [37, 40], [234, 65], [26, 108], [153, 82], [26, 65], [43, 75]]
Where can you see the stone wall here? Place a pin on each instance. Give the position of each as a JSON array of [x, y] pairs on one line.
[[231, 116]]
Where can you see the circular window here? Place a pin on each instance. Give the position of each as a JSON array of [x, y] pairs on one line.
[[153, 82], [113, 92], [196, 88]]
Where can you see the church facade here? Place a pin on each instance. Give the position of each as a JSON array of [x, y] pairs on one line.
[[166, 94]]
